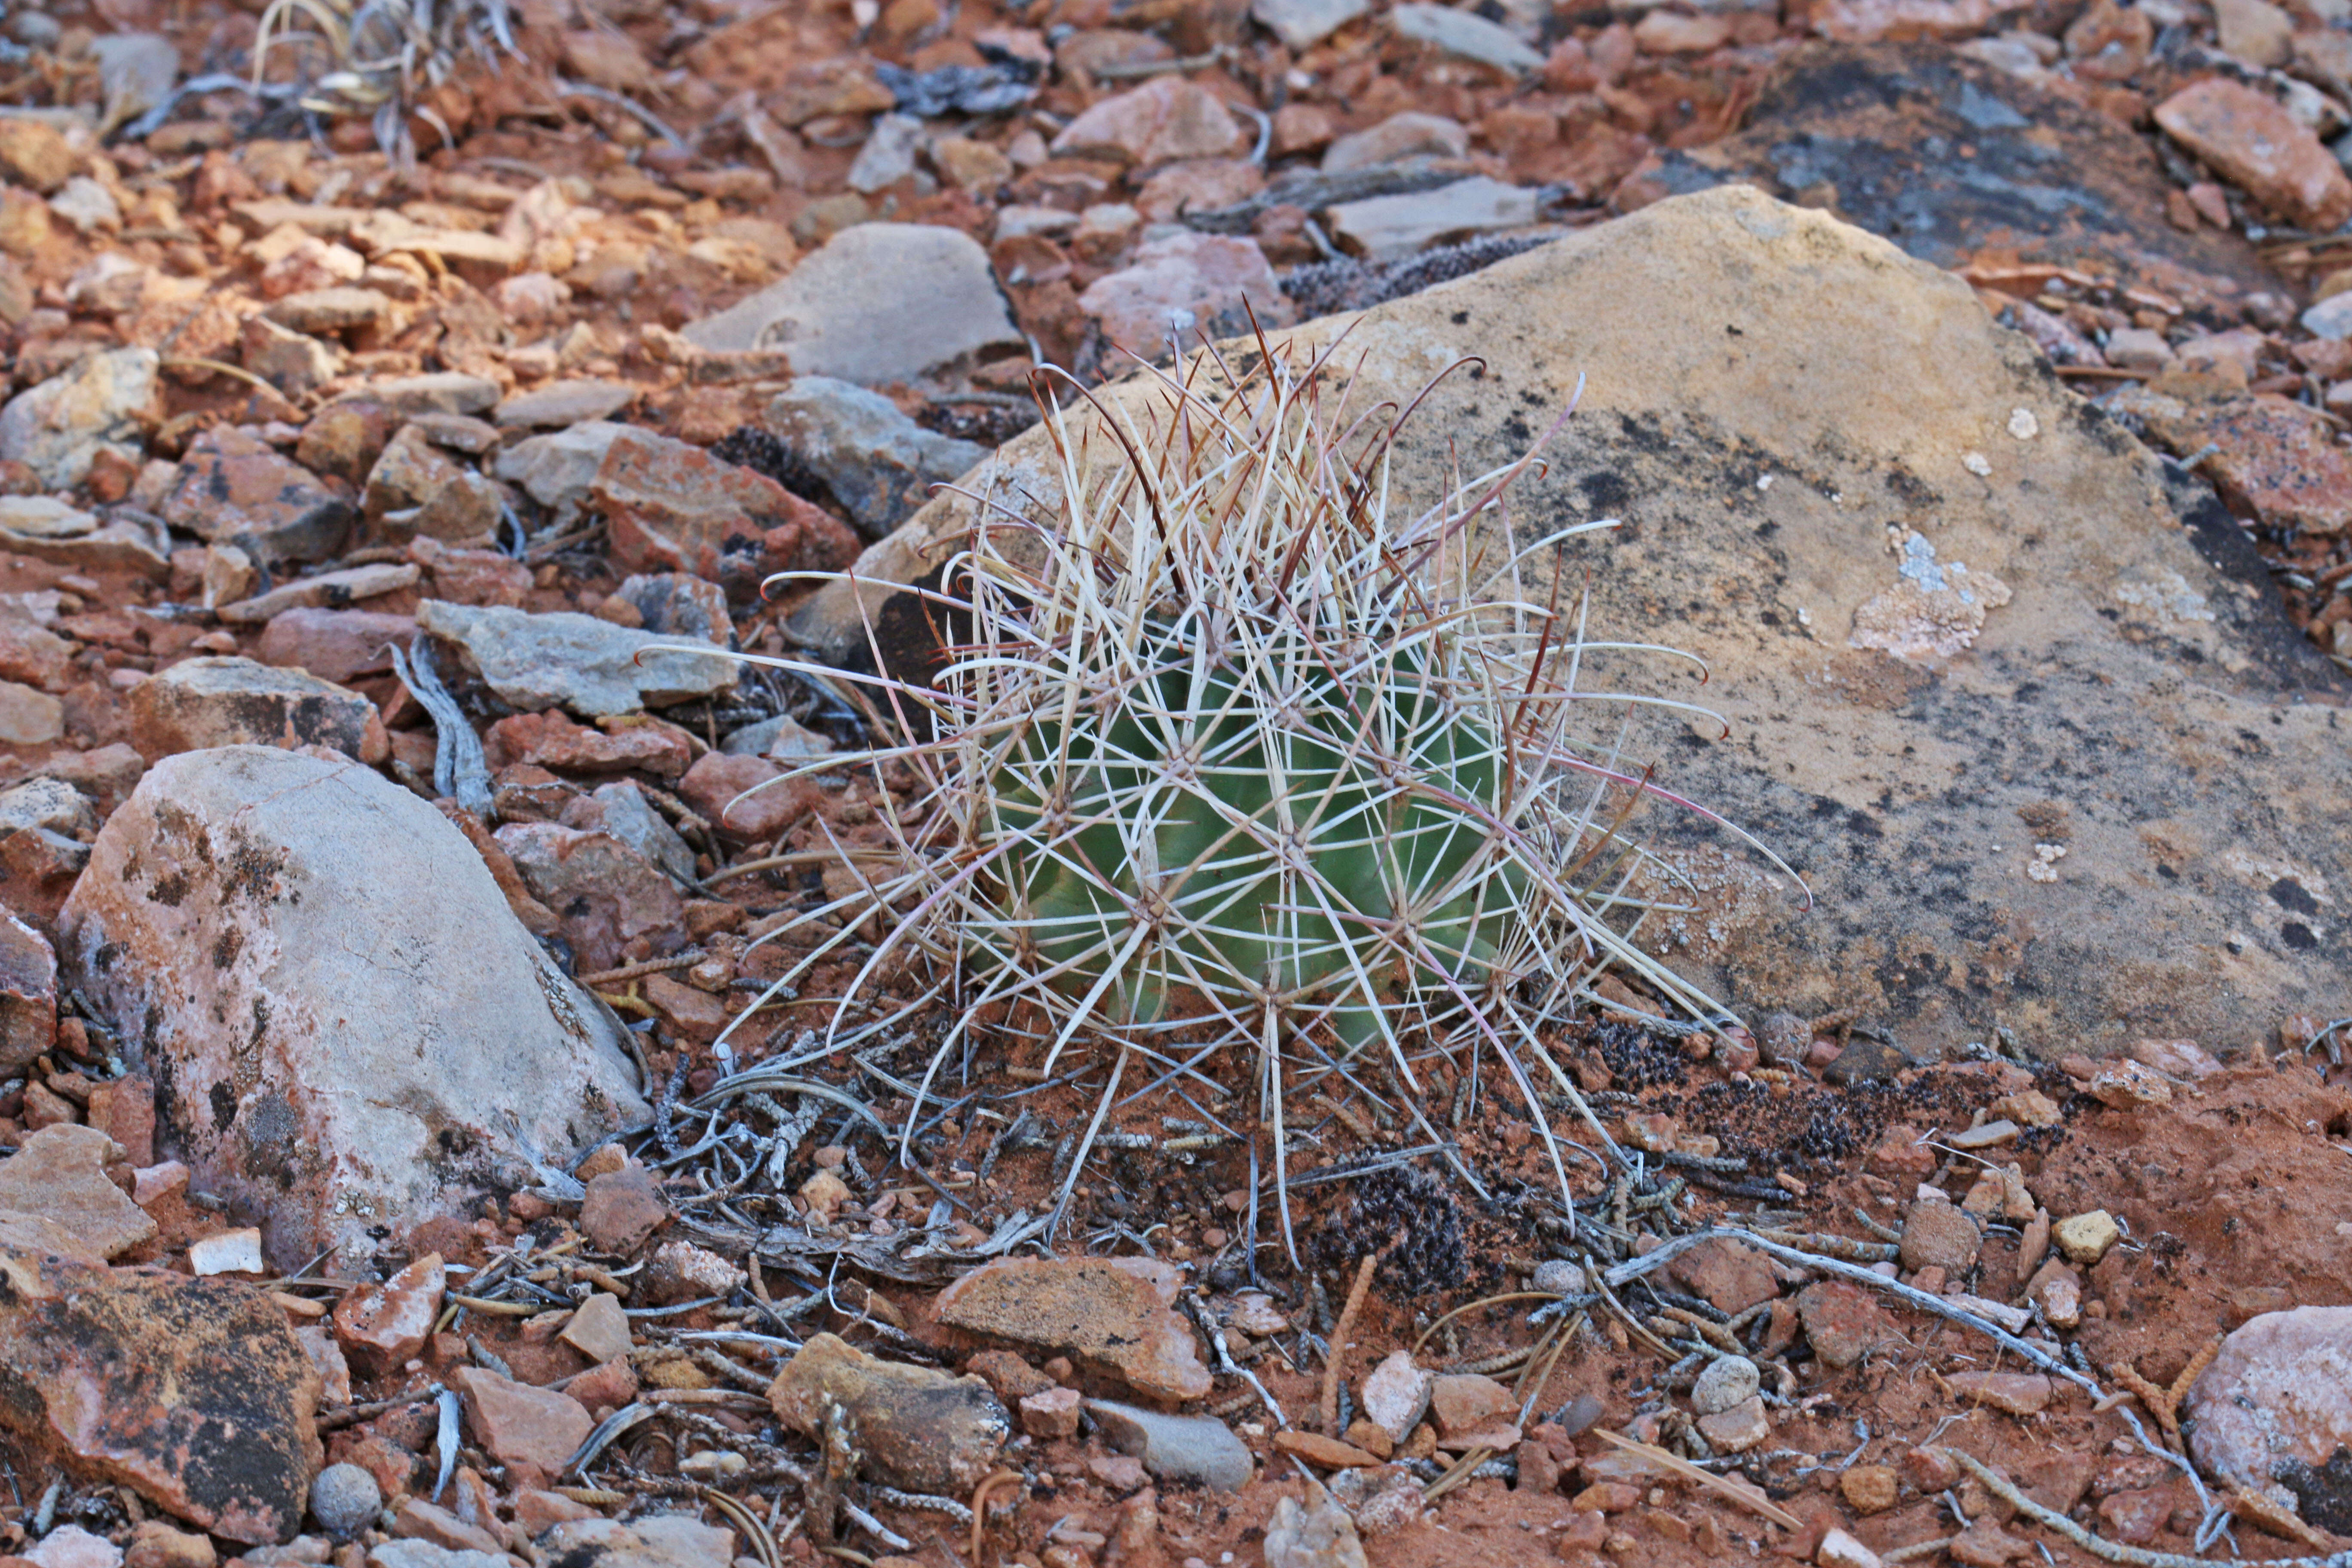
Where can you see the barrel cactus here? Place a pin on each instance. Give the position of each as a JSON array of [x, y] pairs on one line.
[[1227, 747]]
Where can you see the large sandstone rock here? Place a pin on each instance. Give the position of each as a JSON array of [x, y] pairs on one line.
[[1805, 433], [345, 1024], [194, 1393], [2273, 1414]]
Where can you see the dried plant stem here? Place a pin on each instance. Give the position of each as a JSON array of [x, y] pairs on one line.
[[1328, 1407]]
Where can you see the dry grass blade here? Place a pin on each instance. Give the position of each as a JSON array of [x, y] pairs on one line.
[[1722, 1486]]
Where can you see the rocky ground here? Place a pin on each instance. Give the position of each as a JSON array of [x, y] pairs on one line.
[[408, 1163]]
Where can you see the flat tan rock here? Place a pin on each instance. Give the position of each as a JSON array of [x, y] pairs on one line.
[[1115, 1314], [1793, 420], [60, 1174]]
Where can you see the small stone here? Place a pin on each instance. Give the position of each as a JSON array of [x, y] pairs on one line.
[[2027, 1107], [67, 1173], [1605, 1497], [1052, 1413], [415, 488], [2085, 1237], [518, 1425], [1868, 1489], [572, 661], [1323, 1453], [2135, 1518], [2273, 1414], [1666, 33], [416, 1519], [1731, 1275], [1725, 1383], [1940, 1234], [382, 1326], [1181, 286], [103, 403], [672, 507], [622, 1209], [1466, 34], [235, 487], [879, 464], [2262, 148], [613, 906], [155, 1545], [1985, 1544], [230, 1252], [2058, 1291], [2176, 1058], [1930, 1470], [1317, 1535], [562, 404], [1115, 1315], [1839, 1550], [1303, 24], [314, 312], [345, 1500], [648, 1541], [29, 991], [557, 470], [1199, 1450], [327, 591], [2017, 1392], [918, 1427], [71, 1546], [1388, 228], [192, 1393], [1013, 1378], [87, 204], [1841, 1321], [877, 304], [1406, 135], [742, 797], [35, 153], [599, 1330], [1472, 1411], [1395, 1395], [1167, 118], [888, 155], [779, 738], [199, 704], [681, 1272], [1738, 1429], [335, 644]]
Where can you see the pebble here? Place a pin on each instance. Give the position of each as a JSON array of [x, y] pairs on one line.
[[1985, 1544], [2018, 1393], [155, 1545], [563, 404], [1051, 1413], [29, 718], [1200, 1449], [1180, 286], [529, 1429], [315, 312], [614, 906], [1868, 1489], [918, 1428], [599, 1330], [1303, 24], [557, 470], [1472, 1411], [1166, 118], [345, 1500], [362, 1065], [1842, 1322], [1939, 1235], [71, 1546], [229, 1252], [1318, 1534], [1725, 1383], [877, 304], [1839, 1550], [327, 591], [86, 205], [1324, 1453], [622, 1209], [2277, 161], [201, 703], [878, 464], [1395, 1395], [335, 644], [671, 507], [28, 990], [2085, 1238], [90, 1353], [1740, 1427], [577, 662], [59, 427], [233, 487], [1113, 1315], [381, 1326], [64, 1173], [1387, 229], [2277, 1398], [1731, 1275], [1466, 34], [888, 155], [1407, 134]]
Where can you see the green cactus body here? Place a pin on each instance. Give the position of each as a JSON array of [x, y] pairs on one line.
[[1262, 840]]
